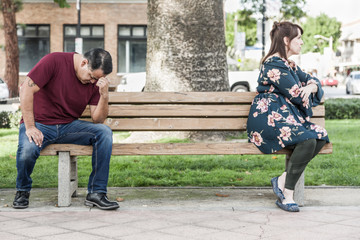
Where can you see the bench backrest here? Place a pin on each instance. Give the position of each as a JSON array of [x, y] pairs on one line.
[[168, 111], [183, 111]]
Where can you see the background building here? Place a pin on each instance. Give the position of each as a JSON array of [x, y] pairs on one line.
[[119, 26]]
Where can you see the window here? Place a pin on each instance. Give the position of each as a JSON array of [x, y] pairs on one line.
[[131, 48], [92, 35], [34, 43]]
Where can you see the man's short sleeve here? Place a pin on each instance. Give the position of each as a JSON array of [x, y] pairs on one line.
[[43, 71]]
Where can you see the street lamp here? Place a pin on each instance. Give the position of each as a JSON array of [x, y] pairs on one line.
[[329, 39], [78, 39]]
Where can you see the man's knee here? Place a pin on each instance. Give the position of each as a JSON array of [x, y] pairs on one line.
[[104, 131], [28, 152]]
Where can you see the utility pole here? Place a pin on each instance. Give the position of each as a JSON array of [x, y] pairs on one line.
[[263, 28], [78, 39]]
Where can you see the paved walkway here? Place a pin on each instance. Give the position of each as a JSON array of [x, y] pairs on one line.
[[190, 213]]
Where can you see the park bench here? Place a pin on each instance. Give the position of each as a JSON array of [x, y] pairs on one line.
[[170, 111]]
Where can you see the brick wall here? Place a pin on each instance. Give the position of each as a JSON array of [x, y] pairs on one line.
[[108, 14]]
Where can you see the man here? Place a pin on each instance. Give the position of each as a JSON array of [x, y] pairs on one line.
[[52, 98]]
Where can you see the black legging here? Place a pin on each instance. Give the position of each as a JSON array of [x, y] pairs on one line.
[[302, 154]]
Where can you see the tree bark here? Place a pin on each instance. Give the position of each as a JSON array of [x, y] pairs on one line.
[[186, 51], [186, 46], [8, 9]]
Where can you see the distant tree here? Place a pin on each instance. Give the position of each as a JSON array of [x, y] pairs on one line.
[[291, 10], [9, 9], [245, 23], [320, 25], [186, 46]]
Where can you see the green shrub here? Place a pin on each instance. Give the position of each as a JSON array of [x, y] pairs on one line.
[[4, 120], [15, 118], [10, 119], [340, 108]]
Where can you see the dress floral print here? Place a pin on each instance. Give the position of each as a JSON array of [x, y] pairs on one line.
[[278, 117]]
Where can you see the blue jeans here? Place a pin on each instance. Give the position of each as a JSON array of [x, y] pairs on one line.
[[77, 132]]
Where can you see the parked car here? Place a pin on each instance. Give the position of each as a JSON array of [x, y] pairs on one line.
[[132, 82], [329, 81], [240, 81], [243, 81], [4, 90], [353, 83]]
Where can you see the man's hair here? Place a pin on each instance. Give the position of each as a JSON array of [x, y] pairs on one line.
[[98, 58], [277, 34]]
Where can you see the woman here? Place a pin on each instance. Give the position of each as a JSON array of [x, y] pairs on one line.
[[280, 113]]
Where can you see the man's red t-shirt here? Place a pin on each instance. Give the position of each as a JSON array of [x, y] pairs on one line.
[[62, 97]]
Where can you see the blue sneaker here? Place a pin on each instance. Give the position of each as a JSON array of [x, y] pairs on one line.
[[276, 189], [289, 207]]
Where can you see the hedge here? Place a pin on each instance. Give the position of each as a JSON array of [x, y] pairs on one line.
[[342, 108], [10, 119]]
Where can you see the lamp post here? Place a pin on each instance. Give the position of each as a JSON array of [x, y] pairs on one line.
[[330, 40], [78, 39]]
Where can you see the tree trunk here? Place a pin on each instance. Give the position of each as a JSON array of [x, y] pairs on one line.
[[11, 47], [186, 46], [186, 51]]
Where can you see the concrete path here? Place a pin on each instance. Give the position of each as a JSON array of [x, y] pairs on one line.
[[185, 213]]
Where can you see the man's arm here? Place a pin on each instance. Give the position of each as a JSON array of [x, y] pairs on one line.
[[100, 111], [27, 91]]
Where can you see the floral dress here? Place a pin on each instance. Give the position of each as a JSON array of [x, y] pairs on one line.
[[278, 117]]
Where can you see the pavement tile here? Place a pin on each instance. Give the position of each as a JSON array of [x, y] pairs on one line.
[[337, 230], [291, 221], [189, 231], [322, 216], [253, 216], [187, 217], [39, 231], [114, 231], [15, 224], [226, 235], [300, 235], [191, 214], [345, 238], [81, 225], [73, 236], [10, 236], [152, 224], [153, 235], [261, 230], [51, 218], [223, 224], [23, 214], [121, 216], [4, 218], [355, 222]]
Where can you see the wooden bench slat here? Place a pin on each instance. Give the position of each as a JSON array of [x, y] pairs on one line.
[[119, 149], [184, 111], [181, 97], [184, 124]]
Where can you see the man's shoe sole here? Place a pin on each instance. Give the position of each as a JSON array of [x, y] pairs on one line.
[[92, 204], [20, 207]]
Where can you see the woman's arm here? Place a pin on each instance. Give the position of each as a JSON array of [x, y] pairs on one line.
[[309, 80]]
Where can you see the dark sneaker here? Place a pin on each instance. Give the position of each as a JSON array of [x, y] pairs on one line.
[[101, 201], [21, 200]]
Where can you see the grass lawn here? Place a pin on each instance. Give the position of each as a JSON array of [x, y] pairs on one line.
[[340, 168]]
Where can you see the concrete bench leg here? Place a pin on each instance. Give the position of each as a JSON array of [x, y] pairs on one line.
[[67, 178], [299, 187]]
